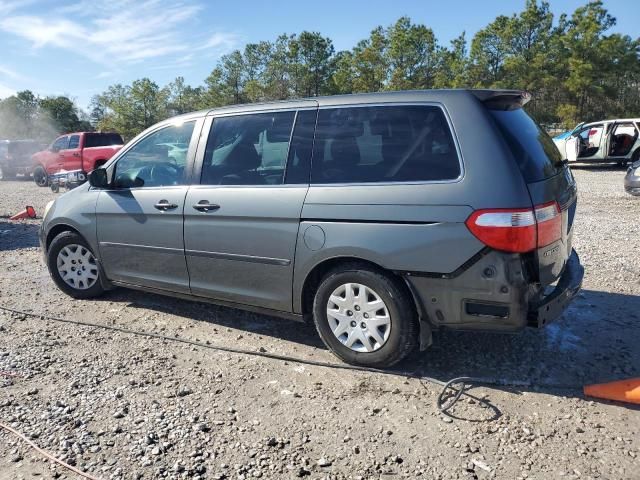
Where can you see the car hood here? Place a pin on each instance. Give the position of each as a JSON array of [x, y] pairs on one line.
[[563, 135]]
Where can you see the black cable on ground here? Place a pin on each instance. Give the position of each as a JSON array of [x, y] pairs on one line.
[[459, 385]]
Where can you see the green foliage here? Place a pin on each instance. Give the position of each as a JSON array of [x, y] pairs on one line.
[[25, 115], [131, 109], [573, 67]]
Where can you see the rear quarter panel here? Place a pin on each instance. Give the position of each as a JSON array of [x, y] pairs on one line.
[[416, 227]]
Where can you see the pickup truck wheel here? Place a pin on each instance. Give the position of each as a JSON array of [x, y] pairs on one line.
[[73, 266], [40, 177], [364, 317]]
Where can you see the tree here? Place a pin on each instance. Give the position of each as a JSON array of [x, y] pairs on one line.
[[183, 98], [149, 103], [314, 53], [62, 113], [412, 55], [370, 63], [453, 71], [575, 70]]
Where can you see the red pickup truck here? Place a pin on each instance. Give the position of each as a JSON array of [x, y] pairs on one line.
[[75, 151]]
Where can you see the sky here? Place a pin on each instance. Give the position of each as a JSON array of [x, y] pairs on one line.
[[80, 47]]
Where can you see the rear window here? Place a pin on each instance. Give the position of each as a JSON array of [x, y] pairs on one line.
[[536, 154], [383, 144], [102, 140]]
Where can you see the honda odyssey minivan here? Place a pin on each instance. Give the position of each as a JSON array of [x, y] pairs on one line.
[[380, 217]]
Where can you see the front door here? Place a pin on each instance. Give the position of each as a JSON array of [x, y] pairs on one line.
[[572, 147], [54, 157], [590, 139], [140, 218], [71, 157], [241, 222]]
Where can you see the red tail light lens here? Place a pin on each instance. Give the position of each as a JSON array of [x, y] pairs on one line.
[[549, 220], [517, 230]]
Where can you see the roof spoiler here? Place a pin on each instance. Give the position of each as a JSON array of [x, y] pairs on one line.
[[502, 99]]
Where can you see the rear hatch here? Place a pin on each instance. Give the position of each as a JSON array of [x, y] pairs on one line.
[[548, 177]]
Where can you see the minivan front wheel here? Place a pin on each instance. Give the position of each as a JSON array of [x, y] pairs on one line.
[[73, 266], [365, 317]]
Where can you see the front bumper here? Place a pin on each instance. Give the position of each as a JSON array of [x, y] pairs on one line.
[[42, 238], [552, 305], [67, 179]]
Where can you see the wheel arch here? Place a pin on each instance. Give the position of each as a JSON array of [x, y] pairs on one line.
[[318, 272], [57, 230], [99, 163]]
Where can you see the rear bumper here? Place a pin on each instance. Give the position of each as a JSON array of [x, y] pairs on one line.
[[552, 305], [493, 294]]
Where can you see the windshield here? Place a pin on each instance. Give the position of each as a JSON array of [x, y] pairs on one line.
[[536, 154]]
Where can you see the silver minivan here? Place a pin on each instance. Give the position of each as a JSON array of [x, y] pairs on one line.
[[379, 217]]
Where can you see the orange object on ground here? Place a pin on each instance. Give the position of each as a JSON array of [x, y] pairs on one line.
[[621, 391], [28, 212]]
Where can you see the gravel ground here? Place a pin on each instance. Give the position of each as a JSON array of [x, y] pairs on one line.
[[125, 406]]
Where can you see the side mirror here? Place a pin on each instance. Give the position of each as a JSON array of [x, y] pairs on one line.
[[98, 178], [54, 149]]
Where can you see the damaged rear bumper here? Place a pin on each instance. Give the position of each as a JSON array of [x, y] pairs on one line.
[[552, 305], [494, 293]]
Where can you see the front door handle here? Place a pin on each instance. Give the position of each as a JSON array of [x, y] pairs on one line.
[[205, 206], [165, 205]]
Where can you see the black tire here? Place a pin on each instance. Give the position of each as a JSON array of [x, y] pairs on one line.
[[40, 177], [403, 335], [63, 240]]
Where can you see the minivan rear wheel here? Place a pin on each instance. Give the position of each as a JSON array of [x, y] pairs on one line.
[[73, 266], [364, 317]]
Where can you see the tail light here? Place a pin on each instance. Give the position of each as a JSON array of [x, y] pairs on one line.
[[517, 230]]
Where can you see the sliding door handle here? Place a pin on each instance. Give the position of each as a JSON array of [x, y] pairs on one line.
[[205, 206]]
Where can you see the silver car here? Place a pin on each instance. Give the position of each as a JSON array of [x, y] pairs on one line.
[[377, 217], [632, 179], [605, 141]]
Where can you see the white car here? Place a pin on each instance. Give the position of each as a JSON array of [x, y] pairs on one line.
[[606, 141]]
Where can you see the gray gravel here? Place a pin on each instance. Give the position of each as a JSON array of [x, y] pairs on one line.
[[122, 406]]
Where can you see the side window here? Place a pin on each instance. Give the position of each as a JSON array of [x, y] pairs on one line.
[[74, 142], [591, 136], [60, 144], [159, 159], [248, 149], [299, 161], [383, 144]]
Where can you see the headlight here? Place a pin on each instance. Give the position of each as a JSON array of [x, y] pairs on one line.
[[47, 207], [637, 173]]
